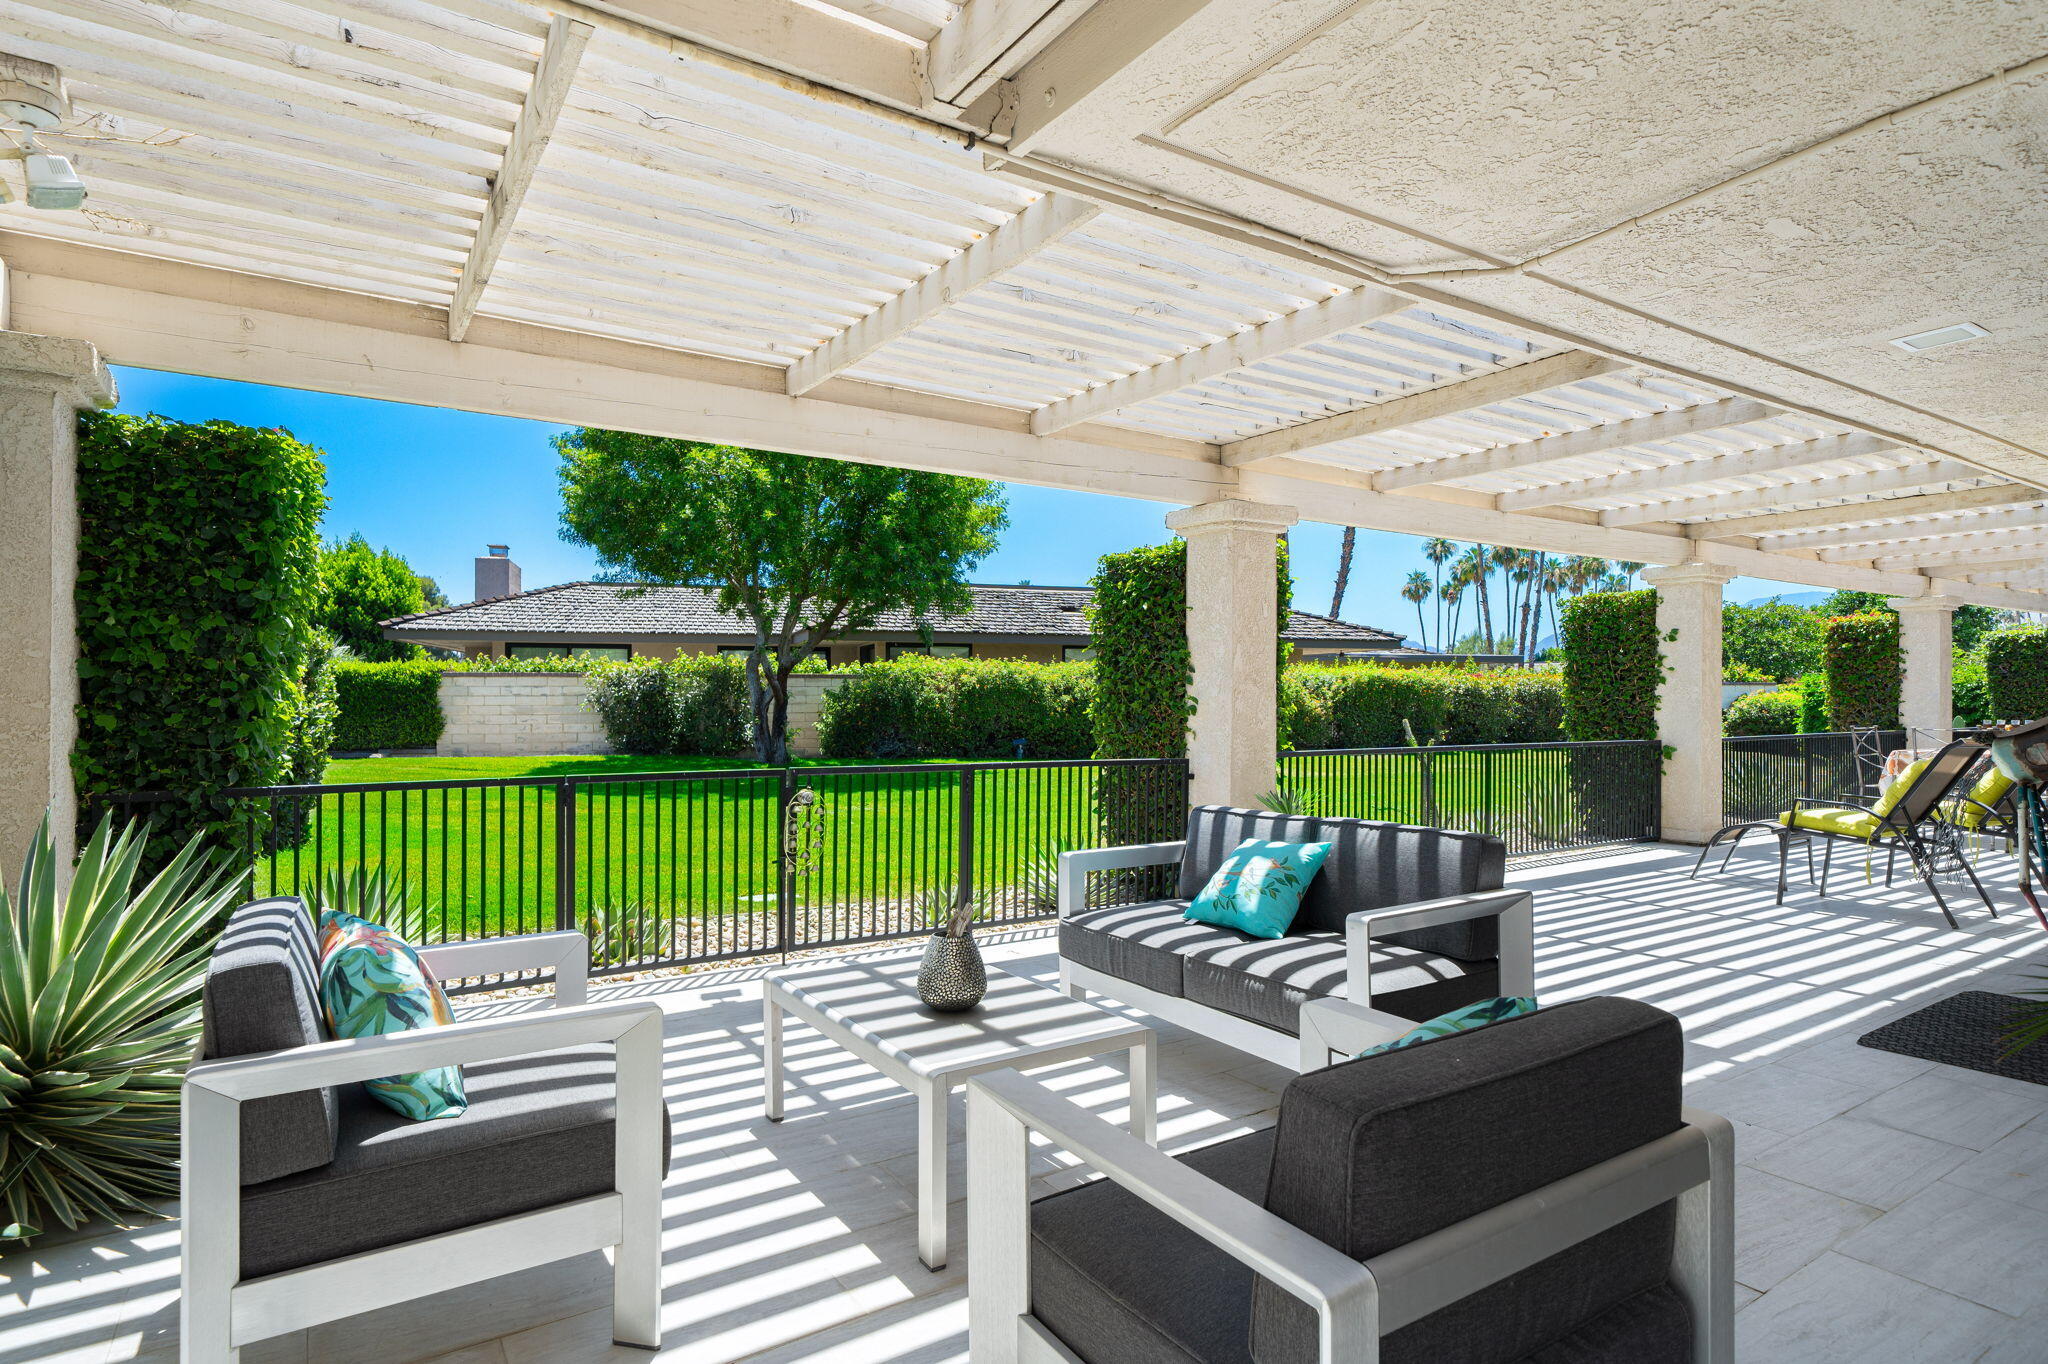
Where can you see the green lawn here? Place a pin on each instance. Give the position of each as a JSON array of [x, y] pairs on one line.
[[690, 865]]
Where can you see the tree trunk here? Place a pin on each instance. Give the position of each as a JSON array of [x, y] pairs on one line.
[[1343, 570], [1486, 644], [778, 719]]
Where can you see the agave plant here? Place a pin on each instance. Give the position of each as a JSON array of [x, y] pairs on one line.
[[99, 1015], [367, 894]]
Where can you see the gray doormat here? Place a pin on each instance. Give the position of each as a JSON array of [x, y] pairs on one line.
[[1966, 1030]]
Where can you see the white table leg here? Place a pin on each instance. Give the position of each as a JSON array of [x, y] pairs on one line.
[[931, 1173], [771, 1053], [1145, 1090]]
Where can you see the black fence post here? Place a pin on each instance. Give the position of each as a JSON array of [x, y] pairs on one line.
[[966, 835], [565, 856], [785, 870]]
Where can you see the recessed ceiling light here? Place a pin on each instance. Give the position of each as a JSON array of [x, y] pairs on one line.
[[1940, 336]]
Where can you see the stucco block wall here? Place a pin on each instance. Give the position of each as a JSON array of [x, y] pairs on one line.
[[807, 693], [517, 715]]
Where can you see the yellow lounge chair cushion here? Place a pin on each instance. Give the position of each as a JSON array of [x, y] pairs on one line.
[[1990, 789], [1830, 819], [1899, 785]]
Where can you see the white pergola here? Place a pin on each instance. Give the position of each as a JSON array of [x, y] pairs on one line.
[[1437, 269]]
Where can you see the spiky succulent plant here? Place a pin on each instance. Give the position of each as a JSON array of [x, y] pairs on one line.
[[99, 1014]]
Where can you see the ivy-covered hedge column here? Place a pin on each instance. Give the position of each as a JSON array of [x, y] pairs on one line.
[[1233, 603], [44, 382], [1689, 701], [1927, 680]]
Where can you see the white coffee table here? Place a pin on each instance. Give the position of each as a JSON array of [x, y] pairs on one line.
[[872, 1010]]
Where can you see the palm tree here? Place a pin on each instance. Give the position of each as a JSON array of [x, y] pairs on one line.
[[1628, 574], [1343, 570], [1526, 569], [1473, 564], [1417, 590], [1436, 549], [1452, 594], [1613, 582]]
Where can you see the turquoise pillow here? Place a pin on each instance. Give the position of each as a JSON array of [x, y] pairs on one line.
[[1468, 1019], [1258, 888], [372, 983]]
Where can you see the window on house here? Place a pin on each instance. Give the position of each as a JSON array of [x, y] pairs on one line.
[[735, 648], [933, 650], [1079, 653], [616, 652]]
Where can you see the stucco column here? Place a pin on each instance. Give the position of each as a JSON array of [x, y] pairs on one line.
[[1233, 606], [44, 381], [1689, 701], [1927, 687]]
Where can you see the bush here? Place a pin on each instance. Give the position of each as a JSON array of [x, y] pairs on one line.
[[2016, 672], [1967, 689], [1861, 659], [195, 597], [387, 705], [1763, 712], [1813, 703], [1362, 705], [1774, 640], [1613, 666], [960, 708], [1511, 706], [695, 704], [1741, 674]]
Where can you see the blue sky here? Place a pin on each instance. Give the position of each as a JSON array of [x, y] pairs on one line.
[[437, 485]]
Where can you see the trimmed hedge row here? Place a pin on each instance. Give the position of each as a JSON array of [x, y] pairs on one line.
[[196, 591], [1860, 655], [1763, 712], [2016, 672], [387, 705], [695, 704], [960, 708], [1613, 666], [1362, 705]]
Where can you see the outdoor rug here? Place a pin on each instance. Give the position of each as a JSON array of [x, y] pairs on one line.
[[1965, 1030]]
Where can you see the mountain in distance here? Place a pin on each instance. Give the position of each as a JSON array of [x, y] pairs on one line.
[[1792, 599]]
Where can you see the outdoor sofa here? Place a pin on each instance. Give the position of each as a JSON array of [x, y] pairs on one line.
[[1401, 924], [305, 1200], [1527, 1193]]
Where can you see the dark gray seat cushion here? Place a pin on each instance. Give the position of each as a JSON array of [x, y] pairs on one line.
[[1266, 980], [1372, 1154], [1122, 1283], [538, 1132], [262, 993], [1143, 944], [1371, 865]]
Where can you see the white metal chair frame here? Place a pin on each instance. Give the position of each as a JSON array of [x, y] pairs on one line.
[[1364, 1025], [1356, 1302], [220, 1312]]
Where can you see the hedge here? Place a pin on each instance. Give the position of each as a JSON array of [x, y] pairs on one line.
[[1813, 703], [195, 597], [1363, 705], [1967, 687], [387, 705], [2016, 672], [1860, 655], [1613, 666], [1763, 712], [960, 708], [695, 704]]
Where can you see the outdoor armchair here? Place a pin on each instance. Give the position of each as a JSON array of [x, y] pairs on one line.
[[1532, 1190], [1401, 924], [304, 1200], [1907, 816]]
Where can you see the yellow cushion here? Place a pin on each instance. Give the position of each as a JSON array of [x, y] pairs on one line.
[[1889, 797], [1991, 788], [1830, 819]]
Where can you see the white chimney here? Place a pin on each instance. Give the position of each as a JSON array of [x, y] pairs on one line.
[[496, 574]]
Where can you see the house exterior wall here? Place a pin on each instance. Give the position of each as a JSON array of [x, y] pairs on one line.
[[517, 715]]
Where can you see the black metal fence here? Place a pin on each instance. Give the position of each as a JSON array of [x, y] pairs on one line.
[[670, 868], [1763, 774], [1534, 797]]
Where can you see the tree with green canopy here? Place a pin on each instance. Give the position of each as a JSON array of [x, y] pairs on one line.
[[361, 587], [1781, 640], [801, 549]]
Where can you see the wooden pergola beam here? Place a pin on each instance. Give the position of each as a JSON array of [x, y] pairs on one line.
[[1635, 482], [2009, 517], [1838, 518], [1522, 381], [1573, 444], [1040, 225], [1957, 551], [552, 77], [989, 38], [1289, 332], [1870, 483]]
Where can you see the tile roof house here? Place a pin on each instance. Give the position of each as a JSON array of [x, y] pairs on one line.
[[1021, 621]]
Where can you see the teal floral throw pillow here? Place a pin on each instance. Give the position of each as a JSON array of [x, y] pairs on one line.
[[1470, 1018], [372, 983], [1258, 888]]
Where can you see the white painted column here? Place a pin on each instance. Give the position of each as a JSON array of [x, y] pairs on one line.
[[1689, 701], [1233, 606], [44, 381], [1927, 687]]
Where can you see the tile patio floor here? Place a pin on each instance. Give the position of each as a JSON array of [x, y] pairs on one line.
[[1889, 1211]]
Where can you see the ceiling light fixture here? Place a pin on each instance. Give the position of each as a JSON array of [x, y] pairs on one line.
[[1940, 336], [32, 100]]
